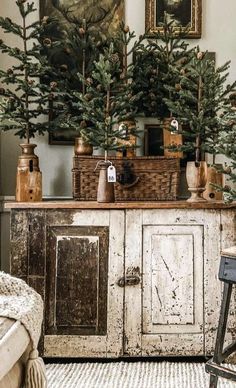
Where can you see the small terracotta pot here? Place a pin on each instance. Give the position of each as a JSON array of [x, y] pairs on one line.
[[106, 191], [196, 176], [82, 147]]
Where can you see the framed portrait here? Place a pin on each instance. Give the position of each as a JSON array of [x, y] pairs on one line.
[[103, 16], [183, 12]]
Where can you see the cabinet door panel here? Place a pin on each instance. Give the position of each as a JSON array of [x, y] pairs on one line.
[[76, 280], [172, 279], [84, 304], [172, 259], [169, 247]]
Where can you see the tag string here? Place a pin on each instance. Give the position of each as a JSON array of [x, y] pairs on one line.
[[100, 162]]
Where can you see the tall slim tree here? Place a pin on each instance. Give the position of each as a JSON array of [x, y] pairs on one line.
[[202, 95], [155, 65], [226, 145], [108, 103], [23, 87]]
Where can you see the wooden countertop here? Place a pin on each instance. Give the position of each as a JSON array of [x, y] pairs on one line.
[[70, 204]]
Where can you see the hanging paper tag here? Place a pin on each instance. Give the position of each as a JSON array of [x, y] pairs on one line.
[[111, 174], [174, 124]]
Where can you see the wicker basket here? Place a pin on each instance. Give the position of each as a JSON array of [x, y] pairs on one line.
[[148, 178]]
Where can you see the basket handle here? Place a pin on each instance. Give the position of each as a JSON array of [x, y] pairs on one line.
[[129, 185]]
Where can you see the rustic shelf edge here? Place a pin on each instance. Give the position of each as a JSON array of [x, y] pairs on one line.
[[118, 205]]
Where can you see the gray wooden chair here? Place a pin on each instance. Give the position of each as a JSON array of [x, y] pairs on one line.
[[227, 274]]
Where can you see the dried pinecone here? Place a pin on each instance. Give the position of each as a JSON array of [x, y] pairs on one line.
[[89, 81], [178, 87], [64, 67], [2, 91], [114, 58], [45, 19], [126, 29], [227, 188], [47, 42], [99, 88], [81, 31], [227, 170], [88, 96], [53, 85], [200, 55]]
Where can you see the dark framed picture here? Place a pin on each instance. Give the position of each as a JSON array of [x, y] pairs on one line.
[[103, 16], [153, 140], [62, 137], [183, 12]]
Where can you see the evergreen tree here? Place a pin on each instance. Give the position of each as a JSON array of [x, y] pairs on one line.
[[108, 103], [226, 145], [85, 45], [201, 97], [154, 67], [22, 84], [78, 52]]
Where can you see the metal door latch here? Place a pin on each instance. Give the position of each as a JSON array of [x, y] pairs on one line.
[[128, 280]]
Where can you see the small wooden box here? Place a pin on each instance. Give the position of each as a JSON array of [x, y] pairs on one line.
[[138, 179]]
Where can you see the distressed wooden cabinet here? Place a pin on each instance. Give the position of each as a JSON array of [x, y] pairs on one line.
[[128, 279]]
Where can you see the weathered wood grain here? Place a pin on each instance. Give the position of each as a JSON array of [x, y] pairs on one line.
[[133, 294], [173, 248], [228, 239], [172, 279], [90, 302], [19, 243], [36, 247], [76, 280], [183, 345], [172, 282], [115, 295], [75, 346]]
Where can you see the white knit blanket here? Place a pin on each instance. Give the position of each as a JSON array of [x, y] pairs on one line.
[[20, 302]]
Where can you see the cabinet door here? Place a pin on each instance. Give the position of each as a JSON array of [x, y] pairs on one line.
[[83, 304], [167, 306]]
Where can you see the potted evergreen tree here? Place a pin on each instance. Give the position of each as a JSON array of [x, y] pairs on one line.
[[155, 66], [201, 97], [78, 50], [107, 103], [25, 95]]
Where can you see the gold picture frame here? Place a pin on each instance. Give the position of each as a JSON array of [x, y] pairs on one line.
[[184, 12]]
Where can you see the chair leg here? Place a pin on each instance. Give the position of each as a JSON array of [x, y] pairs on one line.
[[220, 337], [213, 381]]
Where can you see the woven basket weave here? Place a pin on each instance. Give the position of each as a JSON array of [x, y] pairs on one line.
[[154, 178]]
